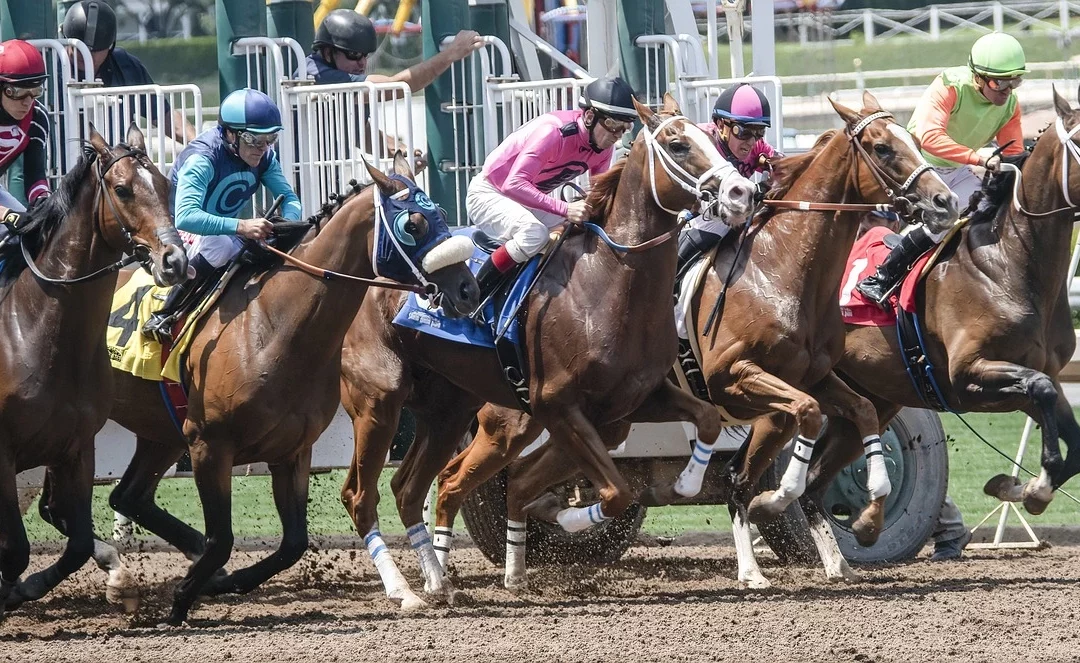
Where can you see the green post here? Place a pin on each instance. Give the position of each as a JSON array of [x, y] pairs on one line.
[[236, 19], [20, 19], [442, 19], [291, 18], [636, 18]]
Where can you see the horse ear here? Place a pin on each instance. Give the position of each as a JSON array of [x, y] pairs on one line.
[[97, 141], [386, 185], [849, 116], [671, 106], [1061, 106], [648, 117], [870, 102], [401, 165], [135, 138]]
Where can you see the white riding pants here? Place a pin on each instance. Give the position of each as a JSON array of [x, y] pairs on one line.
[[525, 230], [217, 250]]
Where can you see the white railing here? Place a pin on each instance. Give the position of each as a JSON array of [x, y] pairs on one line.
[[670, 63], [331, 130], [63, 77], [270, 62]]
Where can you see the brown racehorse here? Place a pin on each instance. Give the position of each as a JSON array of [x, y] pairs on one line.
[[995, 321], [770, 357], [263, 384], [599, 338], [57, 383]]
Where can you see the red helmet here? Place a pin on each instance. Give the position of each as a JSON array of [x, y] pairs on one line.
[[21, 64]]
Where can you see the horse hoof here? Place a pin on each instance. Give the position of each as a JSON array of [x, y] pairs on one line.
[[125, 597], [1004, 487], [412, 603], [1035, 504], [516, 586], [755, 582], [546, 508], [866, 532], [843, 574], [762, 509], [658, 496]]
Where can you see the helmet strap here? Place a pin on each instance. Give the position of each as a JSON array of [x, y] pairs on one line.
[[591, 127]]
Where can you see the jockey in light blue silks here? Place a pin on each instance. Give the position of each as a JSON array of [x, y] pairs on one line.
[[213, 180]]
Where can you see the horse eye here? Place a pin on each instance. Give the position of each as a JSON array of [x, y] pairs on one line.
[[882, 150], [123, 191], [678, 147], [416, 228]]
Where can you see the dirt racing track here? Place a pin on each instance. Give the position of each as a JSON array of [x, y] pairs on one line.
[[673, 603]]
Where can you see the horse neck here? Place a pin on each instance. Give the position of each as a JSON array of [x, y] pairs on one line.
[[1034, 252], [75, 248], [811, 246]]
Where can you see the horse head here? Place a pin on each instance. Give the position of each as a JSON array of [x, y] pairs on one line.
[[896, 171], [415, 230], [133, 207], [693, 169], [1066, 127]]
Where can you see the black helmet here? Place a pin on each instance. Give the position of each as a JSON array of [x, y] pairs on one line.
[[611, 96], [346, 30], [92, 22]]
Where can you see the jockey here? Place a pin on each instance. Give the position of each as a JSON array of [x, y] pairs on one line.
[[511, 200], [962, 110], [740, 118], [213, 180], [24, 127]]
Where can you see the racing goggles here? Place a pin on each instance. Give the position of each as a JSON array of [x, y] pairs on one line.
[[1004, 84], [747, 132], [355, 56], [21, 93], [260, 141], [617, 127]]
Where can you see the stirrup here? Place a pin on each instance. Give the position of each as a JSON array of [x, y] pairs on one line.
[[159, 328]]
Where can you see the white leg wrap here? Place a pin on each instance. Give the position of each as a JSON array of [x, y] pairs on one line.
[[443, 539], [392, 579], [689, 483], [580, 518], [749, 571], [877, 476], [425, 555], [793, 483], [515, 554]]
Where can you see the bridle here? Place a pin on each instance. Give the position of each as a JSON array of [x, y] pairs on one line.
[[1070, 149], [138, 253], [898, 192]]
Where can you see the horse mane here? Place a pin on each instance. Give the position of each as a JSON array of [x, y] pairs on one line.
[[47, 216], [601, 198], [789, 169]]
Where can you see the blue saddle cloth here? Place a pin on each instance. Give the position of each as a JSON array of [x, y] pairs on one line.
[[419, 315]]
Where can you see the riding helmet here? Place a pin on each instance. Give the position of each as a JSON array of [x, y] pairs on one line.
[[997, 55], [92, 22], [21, 64], [611, 96], [250, 110], [743, 103], [346, 30]]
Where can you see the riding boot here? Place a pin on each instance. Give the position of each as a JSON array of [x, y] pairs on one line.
[[879, 286], [488, 278], [692, 243], [159, 326]]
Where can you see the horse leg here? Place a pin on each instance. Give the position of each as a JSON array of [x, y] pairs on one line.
[[14, 546], [120, 586], [501, 435], [989, 378], [837, 400], [212, 467], [290, 486], [133, 496], [72, 507], [670, 403]]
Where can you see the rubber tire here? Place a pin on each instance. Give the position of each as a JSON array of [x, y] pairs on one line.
[[904, 537], [484, 514]]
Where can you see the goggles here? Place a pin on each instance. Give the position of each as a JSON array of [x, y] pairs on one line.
[[21, 93], [747, 132], [355, 56], [617, 127], [1004, 84], [260, 141]]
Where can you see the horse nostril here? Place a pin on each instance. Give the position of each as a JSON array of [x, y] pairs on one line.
[[942, 200]]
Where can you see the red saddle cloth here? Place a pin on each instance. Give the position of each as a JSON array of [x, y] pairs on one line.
[[869, 252]]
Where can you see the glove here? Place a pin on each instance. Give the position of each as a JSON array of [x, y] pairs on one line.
[[40, 199], [759, 192]]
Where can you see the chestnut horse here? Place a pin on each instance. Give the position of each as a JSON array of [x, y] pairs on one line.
[[57, 383], [995, 322], [769, 359], [599, 337], [262, 383]]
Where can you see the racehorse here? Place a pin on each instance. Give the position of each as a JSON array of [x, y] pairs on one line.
[[769, 358], [598, 335], [263, 369], [995, 322], [56, 383]]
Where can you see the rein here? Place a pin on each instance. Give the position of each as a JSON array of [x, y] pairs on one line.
[[430, 290], [1070, 149], [98, 196]]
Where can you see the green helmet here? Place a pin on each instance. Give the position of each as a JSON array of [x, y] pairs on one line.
[[998, 55]]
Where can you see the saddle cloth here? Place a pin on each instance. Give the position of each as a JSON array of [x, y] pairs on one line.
[[869, 251]]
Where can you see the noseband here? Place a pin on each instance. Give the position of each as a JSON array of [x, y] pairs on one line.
[[675, 172]]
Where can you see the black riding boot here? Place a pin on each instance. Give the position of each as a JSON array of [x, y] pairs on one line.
[[159, 326], [878, 286], [692, 243], [488, 278]]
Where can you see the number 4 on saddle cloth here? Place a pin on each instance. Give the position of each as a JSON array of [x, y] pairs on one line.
[[497, 325], [869, 251]]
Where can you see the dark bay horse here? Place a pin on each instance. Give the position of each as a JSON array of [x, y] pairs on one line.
[[599, 338], [769, 359], [55, 379], [996, 324], [263, 384]]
